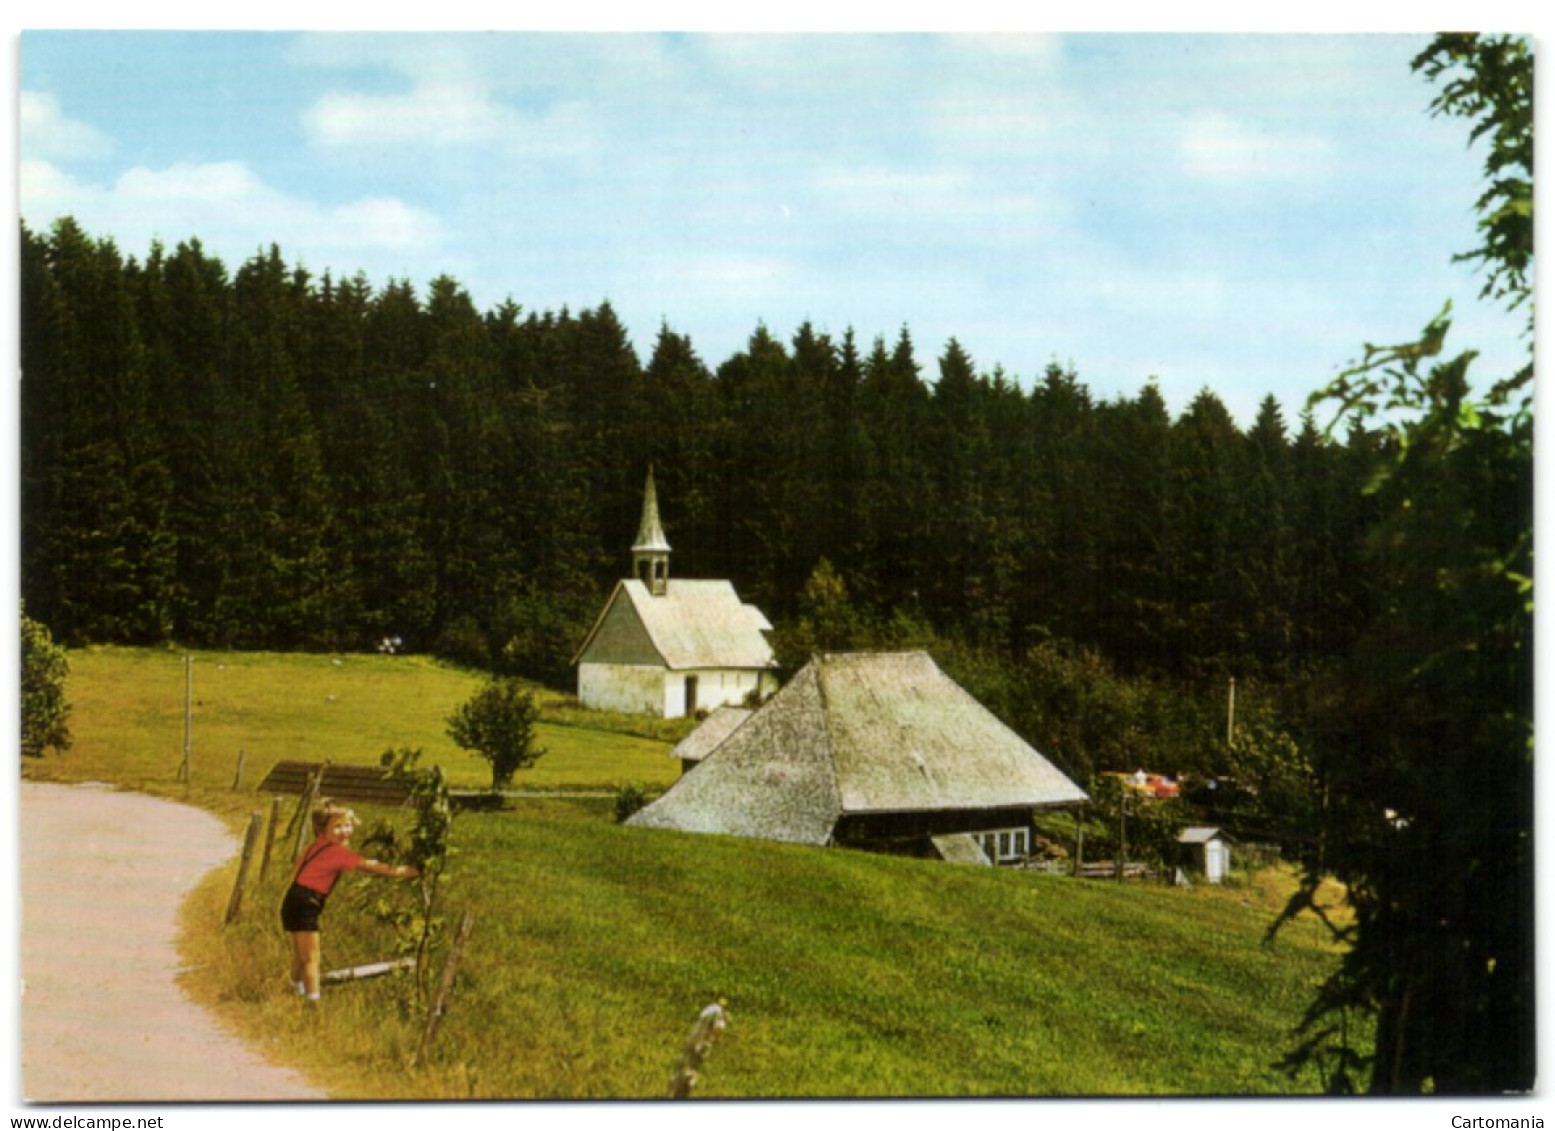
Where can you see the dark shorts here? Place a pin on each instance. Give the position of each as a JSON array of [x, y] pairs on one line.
[[301, 908]]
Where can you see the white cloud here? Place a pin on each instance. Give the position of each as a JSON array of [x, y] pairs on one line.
[[206, 188], [45, 193], [380, 222], [433, 113], [230, 209], [452, 114], [48, 135], [1215, 146]]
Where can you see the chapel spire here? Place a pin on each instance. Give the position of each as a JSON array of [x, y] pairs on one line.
[[651, 550]]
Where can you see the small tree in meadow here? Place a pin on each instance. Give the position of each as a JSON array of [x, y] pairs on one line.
[[498, 724]]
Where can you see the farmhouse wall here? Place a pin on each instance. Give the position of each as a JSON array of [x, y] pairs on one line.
[[871, 829]]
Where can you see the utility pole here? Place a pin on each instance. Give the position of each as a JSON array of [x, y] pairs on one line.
[[1231, 712], [1123, 834]]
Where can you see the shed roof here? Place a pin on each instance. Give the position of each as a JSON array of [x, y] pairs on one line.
[[960, 848], [859, 733], [1200, 834], [695, 624], [710, 735]]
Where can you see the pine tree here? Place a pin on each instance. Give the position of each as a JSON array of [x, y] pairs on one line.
[[895, 508], [95, 487], [1133, 476], [1265, 536]]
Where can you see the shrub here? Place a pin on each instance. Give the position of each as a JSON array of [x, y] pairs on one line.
[[629, 798], [45, 711]]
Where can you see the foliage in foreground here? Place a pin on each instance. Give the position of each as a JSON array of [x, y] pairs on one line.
[[426, 847], [1429, 754]]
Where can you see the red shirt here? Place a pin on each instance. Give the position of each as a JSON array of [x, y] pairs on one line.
[[322, 864]]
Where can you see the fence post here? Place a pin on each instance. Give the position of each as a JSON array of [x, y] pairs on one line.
[[445, 986], [1123, 835], [183, 767], [291, 823], [237, 778], [235, 904], [275, 819], [305, 807]]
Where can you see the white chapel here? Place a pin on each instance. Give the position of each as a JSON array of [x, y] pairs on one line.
[[667, 647]]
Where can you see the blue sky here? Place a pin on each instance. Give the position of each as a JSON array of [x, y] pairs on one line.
[[1226, 211]]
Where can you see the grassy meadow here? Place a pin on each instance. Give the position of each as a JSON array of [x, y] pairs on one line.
[[128, 721], [595, 945]]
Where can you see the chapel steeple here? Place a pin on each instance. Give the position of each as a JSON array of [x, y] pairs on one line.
[[651, 551]]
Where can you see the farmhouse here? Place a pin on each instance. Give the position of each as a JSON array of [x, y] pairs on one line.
[[668, 647], [873, 750]]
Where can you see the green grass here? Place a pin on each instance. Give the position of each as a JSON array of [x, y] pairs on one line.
[[128, 721], [845, 974]]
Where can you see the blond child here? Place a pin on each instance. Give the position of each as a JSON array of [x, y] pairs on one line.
[[328, 856]]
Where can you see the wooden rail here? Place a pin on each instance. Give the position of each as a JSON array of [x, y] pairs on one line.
[[370, 785]]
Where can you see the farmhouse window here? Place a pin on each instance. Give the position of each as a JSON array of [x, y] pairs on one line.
[[1005, 845]]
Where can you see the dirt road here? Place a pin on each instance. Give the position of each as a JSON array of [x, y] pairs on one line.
[[102, 875]]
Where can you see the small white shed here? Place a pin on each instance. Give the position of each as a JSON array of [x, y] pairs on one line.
[[1210, 849]]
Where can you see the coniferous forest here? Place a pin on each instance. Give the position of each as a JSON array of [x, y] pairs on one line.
[[263, 459]]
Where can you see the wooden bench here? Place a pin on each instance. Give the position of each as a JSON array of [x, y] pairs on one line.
[[369, 785]]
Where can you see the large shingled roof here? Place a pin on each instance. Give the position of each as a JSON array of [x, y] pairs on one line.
[[859, 733]]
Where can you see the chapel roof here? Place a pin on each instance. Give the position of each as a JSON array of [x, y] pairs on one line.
[[694, 624]]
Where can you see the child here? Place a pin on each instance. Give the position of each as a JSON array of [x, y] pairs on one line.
[[312, 882]]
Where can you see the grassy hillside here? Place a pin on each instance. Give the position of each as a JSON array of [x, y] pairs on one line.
[[845, 974], [596, 945]]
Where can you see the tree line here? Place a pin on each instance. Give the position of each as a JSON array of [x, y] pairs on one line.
[[264, 459]]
